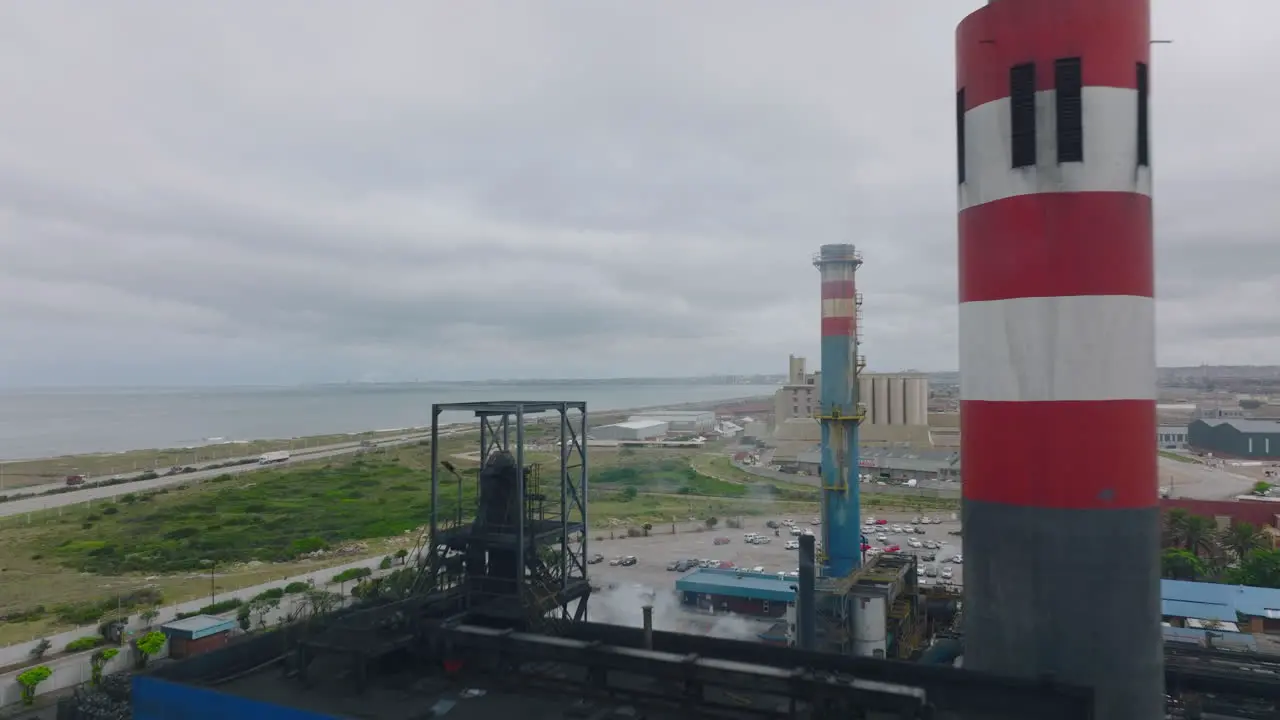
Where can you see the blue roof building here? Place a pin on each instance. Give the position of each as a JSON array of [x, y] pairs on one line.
[[739, 584], [1214, 601]]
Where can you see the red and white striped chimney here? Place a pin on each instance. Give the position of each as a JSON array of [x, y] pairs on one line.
[[1057, 348]]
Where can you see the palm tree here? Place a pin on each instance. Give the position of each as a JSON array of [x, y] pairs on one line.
[[1241, 539], [1175, 528], [1199, 534]]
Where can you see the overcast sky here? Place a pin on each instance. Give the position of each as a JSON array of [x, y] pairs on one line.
[[312, 190]]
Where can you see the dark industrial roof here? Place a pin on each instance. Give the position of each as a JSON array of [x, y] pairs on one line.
[[1200, 638], [739, 583], [1246, 426]]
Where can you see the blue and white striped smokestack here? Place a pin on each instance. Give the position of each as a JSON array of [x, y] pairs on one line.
[[841, 513]]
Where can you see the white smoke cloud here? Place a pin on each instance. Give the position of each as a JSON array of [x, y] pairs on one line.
[[624, 605]]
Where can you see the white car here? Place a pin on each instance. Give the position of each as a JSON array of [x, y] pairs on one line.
[[895, 529], [793, 544], [946, 573], [915, 543], [883, 538], [869, 521], [958, 559]]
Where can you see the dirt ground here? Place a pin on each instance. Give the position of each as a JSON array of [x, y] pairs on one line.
[[1203, 482]]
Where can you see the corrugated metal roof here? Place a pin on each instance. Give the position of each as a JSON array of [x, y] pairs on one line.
[[1213, 601], [637, 424], [735, 583], [198, 626], [1245, 426], [1201, 611]]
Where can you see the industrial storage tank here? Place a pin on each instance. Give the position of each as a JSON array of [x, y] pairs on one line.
[[865, 396], [881, 403], [918, 400], [869, 635], [897, 401]]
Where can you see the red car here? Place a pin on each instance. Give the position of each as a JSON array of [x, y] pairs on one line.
[[882, 521], [893, 548]]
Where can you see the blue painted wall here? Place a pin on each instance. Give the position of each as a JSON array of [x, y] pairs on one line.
[[155, 699]]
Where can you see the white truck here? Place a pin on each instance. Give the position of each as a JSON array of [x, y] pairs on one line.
[[277, 456]]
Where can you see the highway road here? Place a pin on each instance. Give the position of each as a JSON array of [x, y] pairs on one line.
[[45, 502]]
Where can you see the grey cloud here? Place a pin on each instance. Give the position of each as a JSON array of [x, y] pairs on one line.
[[313, 193]]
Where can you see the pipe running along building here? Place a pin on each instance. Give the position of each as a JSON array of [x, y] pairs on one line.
[[1057, 347]]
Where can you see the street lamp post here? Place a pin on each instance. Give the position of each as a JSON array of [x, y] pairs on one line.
[[212, 588]]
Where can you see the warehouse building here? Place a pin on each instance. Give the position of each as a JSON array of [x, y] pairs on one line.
[[1171, 437], [737, 591], [631, 430], [1203, 605], [1236, 438], [197, 635], [680, 421]]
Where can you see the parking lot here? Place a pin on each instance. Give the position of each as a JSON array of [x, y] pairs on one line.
[[653, 554]]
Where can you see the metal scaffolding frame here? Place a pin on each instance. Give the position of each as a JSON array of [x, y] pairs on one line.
[[548, 533]]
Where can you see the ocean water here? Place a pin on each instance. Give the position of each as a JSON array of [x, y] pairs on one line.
[[45, 423]]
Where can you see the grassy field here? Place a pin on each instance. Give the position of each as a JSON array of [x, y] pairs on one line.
[[270, 524], [23, 473], [1178, 458]]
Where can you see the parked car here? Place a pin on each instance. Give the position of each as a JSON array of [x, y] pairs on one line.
[[771, 524], [595, 559], [628, 561], [722, 541], [674, 564]]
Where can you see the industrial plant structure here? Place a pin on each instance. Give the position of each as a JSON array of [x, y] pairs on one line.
[[1057, 347], [1061, 612], [890, 399], [494, 624]]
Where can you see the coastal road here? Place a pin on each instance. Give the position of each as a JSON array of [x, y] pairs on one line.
[[36, 503]]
